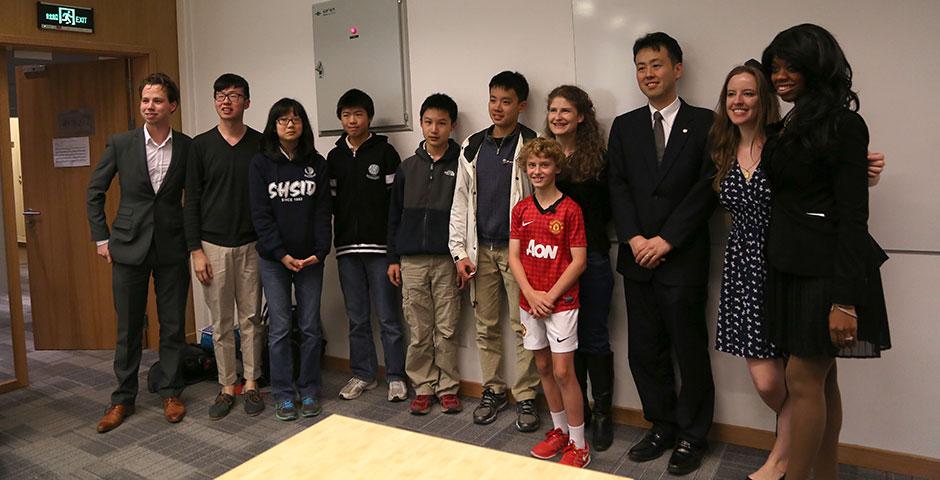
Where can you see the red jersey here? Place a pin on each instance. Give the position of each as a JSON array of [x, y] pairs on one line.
[[546, 237]]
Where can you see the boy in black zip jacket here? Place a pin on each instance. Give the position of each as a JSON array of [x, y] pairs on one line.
[[419, 258], [362, 169]]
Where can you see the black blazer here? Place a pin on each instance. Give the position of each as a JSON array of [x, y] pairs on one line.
[[144, 217], [673, 200], [819, 211]]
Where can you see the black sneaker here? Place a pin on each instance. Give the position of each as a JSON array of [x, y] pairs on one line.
[[310, 407], [221, 406], [254, 404], [286, 411], [489, 407], [527, 419]]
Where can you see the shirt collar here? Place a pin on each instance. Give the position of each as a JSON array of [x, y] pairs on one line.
[[361, 144], [670, 110], [149, 139]]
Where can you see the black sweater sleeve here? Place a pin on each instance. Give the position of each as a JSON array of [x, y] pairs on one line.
[[270, 244], [324, 212], [850, 190], [395, 210], [192, 208]]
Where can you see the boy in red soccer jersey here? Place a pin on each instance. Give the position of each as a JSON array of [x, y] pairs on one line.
[[550, 228]]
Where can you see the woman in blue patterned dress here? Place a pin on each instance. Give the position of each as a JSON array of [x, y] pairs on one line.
[[746, 105]]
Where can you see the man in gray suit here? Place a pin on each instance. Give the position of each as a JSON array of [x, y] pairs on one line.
[[146, 238]]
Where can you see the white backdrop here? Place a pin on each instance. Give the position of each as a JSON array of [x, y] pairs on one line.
[[456, 46]]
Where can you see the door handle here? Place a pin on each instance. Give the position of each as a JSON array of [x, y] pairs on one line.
[[29, 212]]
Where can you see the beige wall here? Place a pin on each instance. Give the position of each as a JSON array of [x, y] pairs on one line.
[[889, 403]]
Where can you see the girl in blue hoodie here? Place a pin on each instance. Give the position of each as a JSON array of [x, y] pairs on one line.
[[291, 210]]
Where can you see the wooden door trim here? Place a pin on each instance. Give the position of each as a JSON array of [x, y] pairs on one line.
[[11, 247]]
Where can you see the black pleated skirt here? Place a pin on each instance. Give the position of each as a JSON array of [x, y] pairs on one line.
[[798, 317]]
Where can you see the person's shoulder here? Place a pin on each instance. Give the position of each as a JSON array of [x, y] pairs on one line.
[[524, 204], [181, 137], [847, 118], [631, 116]]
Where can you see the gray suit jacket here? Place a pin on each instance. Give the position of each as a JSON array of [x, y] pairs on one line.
[[144, 217]]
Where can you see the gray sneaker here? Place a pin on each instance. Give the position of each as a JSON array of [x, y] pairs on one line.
[[310, 407], [397, 391], [354, 388]]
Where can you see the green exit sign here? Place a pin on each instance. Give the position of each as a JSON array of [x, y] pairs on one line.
[[66, 18]]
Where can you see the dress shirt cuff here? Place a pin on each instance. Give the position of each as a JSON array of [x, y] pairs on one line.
[[101, 242]]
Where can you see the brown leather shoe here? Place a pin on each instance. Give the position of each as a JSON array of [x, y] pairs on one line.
[[114, 416], [173, 409]]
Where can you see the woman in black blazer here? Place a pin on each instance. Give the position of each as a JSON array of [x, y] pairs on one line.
[[824, 291]]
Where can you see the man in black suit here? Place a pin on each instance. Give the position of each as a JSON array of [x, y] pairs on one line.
[[660, 176], [146, 238]]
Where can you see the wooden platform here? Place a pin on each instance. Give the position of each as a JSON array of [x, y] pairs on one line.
[[344, 448]]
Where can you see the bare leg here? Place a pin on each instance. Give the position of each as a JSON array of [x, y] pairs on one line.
[[567, 383], [806, 379], [827, 461], [769, 377], [543, 362]]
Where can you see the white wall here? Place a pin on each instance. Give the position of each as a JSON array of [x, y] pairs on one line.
[[455, 47]]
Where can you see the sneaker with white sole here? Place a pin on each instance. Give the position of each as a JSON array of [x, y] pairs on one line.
[[397, 391], [354, 388]]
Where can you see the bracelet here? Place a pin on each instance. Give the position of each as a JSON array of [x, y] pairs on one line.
[[845, 311]]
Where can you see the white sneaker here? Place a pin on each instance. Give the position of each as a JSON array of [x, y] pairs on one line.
[[354, 388], [397, 391]]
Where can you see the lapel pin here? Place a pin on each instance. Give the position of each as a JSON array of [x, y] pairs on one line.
[[685, 130]]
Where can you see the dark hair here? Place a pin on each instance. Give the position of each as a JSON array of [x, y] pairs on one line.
[[271, 144], [813, 52], [589, 159], [724, 137], [514, 81], [230, 80], [354, 98], [657, 41], [163, 80], [440, 101], [543, 148]]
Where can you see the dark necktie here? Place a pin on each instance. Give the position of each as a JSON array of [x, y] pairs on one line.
[[659, 136]]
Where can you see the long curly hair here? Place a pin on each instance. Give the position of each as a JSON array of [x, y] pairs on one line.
[[590, 156], [724, 136], [813, 52]]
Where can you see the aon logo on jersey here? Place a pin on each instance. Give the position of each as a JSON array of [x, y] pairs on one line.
[[541, 251]]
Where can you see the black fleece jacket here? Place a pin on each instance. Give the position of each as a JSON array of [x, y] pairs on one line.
[[290, 206], [361, 183], [419, 215]]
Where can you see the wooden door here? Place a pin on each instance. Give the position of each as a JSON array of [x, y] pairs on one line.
[[70, 286]]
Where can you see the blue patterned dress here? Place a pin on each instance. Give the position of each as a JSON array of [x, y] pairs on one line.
[[741, 322]]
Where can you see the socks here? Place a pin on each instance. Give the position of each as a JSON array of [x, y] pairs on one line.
[[560, 421], [577, 435]]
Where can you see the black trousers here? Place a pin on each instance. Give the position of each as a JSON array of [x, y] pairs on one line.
[[667, 320], [130, 284]]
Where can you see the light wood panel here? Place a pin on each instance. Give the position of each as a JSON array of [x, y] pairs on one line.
[[342, 448]]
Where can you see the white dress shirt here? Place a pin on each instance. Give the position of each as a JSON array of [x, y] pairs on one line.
[[158, 158], [669, 116]]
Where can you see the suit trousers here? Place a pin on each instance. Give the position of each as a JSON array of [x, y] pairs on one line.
[[235, 288], [130, 284], [431, 303], [662, 321], [492, 279]]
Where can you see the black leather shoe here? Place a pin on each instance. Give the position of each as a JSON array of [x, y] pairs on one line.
[[527, 416], [653, 445], [686, 458], [489, 407]]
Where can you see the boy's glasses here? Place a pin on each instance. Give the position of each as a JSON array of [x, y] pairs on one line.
[[283, 121], [232, 97]]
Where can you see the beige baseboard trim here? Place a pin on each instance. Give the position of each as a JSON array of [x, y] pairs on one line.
[[895, 462]]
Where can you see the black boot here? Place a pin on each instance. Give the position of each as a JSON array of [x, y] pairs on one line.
[[581, 371], [601, 370]]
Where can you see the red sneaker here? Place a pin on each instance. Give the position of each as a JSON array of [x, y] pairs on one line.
[[555, 441], [421, 405], [576, 457], [450, 403]]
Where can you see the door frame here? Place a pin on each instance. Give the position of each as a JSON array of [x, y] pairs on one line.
[[142, 62]]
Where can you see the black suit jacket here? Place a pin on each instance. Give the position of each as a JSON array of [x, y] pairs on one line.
[[144, 217], [819, 211], [673, 200]]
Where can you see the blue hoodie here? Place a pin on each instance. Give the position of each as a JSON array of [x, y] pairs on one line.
[[291, 207]]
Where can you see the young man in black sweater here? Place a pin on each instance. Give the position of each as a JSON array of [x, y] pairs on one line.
[[419, 260], [362, 168], [221, 239]]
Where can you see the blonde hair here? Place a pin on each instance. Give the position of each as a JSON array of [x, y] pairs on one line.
[[541, 148]]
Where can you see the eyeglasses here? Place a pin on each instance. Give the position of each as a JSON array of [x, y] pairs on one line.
[[232, 97], [283, 121]]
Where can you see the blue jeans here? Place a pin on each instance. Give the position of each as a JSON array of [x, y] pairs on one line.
[[365, 285], [276, 280], [595, 290]]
